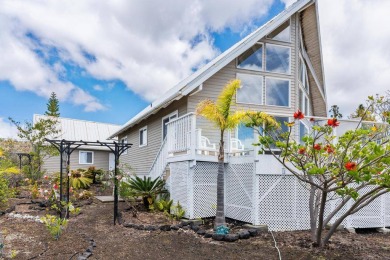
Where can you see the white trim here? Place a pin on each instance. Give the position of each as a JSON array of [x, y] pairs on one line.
[[145, 128], [193, 81], [289, 92], [174, 113], [282, 46], [83, 151]]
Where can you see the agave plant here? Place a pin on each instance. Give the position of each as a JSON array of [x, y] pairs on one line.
[[146, 188]]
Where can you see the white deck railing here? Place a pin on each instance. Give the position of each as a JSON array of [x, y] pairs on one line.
[[181, 135], [183, 138], [160, 162]]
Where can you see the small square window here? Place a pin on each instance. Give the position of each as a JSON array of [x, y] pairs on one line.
[[277, 59], [143, 136], [85, 157], [251, 90]]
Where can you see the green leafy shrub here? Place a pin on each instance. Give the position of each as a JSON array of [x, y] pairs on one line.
[[5, 191], [177, 211], [54, 225], [94, 174], [79, 179], [163, 205], [144, 187]]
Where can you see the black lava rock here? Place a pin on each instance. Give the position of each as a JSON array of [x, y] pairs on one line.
[[231, 237], [195, 228], [244, 234], [186, 227], [174, 227], [165, 228], [208, 234], [184, 223], [139, 227], [151, 228], [218, 237], [128, 225], [201, 232], [253, 232]]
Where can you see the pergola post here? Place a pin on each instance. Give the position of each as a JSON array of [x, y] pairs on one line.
[[67, 147]]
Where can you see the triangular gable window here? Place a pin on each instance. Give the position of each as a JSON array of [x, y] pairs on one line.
[[282, 33]]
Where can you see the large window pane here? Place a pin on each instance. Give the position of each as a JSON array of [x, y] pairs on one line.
[[282, 33], [252, 59], [251, 89], [246, 136], [277, 58], [277, 92]]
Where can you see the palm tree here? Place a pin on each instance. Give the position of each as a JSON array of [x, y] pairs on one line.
[[220, 114]]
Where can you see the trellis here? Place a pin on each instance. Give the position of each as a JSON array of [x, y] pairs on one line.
[[67, 147]]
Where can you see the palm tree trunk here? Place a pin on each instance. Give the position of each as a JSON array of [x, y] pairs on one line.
[[220, 214]]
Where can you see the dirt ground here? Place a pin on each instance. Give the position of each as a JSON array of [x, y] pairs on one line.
[[30, 240]]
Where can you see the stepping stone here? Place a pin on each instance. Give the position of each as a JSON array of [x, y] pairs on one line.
[[106, 199]]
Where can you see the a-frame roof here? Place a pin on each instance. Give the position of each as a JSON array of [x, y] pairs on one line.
[[189, 84]]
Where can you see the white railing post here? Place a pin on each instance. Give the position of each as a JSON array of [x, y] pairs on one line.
[[193, 136]]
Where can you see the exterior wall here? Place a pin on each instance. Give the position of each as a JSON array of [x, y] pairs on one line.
[[100, 161], [141, 158], [310, 34], [214, 85]]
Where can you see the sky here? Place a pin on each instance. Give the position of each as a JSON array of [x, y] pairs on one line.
[[107, 60]]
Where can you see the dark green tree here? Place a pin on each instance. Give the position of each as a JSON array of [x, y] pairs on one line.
[[335, 112], [53, 109]]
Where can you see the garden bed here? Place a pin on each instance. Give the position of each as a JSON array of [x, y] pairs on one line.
[[94, 226]]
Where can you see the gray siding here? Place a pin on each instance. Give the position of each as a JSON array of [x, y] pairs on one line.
[[100, 161], [214, 85], [141, 158]]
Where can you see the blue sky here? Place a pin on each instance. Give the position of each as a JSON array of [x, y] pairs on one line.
[[107, 61]]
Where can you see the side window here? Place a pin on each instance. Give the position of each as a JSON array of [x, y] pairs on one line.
[[85, 157], [166, 120], [143, 136]]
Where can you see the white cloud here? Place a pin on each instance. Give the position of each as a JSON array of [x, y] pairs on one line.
[[7, 130], [149, 45], [355, 43], [288, 2], [98, 88]]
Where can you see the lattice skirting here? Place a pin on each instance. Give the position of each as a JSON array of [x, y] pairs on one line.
[[279, 201]]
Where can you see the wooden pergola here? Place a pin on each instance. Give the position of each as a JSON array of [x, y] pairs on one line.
[[66, 148]]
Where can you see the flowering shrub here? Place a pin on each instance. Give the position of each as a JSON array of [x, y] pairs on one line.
[[336, 168]]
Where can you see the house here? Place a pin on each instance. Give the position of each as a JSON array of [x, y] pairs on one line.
[[85, 156], [281, 70]]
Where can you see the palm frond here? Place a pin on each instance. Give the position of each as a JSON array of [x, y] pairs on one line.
[[208, 109], [227, 97], [260, 119], [236, 118]]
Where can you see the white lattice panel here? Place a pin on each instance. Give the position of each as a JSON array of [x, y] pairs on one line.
[[179, 185], [278, 203], [386, 205], [238, 191], [205, 189]]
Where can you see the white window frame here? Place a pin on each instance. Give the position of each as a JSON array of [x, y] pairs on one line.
[[262, 60], [265, 91], [174, 113], [265, 59], [140, 131], [93, 157], [262, 90], [124, 141], [290, 41]]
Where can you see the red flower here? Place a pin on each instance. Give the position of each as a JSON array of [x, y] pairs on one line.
[[333, 122], [299, 115], [312, 119], [317, 147], [301, 150], [350, 166], [55, 186], [329, 148]]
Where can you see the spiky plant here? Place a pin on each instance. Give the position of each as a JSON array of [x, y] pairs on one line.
[[146, 188], [221, 114]]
